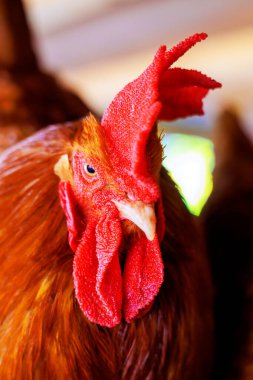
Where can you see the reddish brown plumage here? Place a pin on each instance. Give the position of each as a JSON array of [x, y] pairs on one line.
[[43, 333]]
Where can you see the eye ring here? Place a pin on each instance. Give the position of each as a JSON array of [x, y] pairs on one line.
[[89, 170]]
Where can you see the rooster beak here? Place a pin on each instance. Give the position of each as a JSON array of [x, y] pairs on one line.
[[140, 213]]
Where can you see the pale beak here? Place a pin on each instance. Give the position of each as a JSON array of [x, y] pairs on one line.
[[140, 213]]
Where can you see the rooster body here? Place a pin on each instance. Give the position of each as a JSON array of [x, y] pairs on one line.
[[135, 302]]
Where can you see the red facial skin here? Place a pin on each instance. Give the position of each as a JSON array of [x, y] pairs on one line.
[[96, 237]]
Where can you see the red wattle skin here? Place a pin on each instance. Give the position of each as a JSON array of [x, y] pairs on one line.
[[143, 276], [99, 287], [68, 204], [96, 270]]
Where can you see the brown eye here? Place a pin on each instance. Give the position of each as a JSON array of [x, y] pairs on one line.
[[89, 170]]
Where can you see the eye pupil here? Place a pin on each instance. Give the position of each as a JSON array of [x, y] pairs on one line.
[[90, 169]]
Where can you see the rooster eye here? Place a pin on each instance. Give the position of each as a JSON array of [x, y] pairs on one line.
[[89, 170]]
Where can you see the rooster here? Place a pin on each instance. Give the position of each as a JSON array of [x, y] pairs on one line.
[[103, 274]]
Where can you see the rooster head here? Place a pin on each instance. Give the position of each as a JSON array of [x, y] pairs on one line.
[[110, 193]]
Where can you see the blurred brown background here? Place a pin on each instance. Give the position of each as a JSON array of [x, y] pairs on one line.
[[99, 45]]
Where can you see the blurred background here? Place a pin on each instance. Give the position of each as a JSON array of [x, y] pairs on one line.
[[97, 46]]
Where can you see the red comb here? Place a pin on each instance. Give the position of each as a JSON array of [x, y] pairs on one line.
[[159, 93]]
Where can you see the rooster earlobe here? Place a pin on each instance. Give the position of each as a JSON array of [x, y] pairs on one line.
[[63, 169]]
